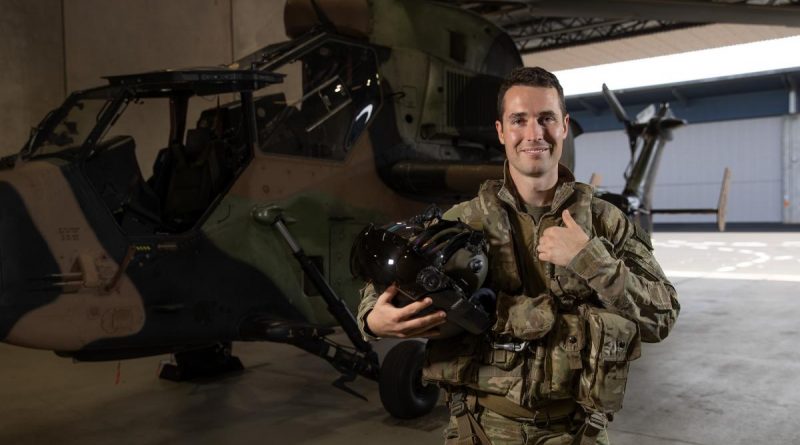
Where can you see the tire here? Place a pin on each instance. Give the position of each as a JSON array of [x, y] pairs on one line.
[[402, 391]]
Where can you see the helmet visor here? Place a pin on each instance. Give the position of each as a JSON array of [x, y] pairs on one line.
[[384, 257]]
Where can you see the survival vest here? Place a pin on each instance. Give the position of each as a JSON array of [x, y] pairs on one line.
[[568, 347]]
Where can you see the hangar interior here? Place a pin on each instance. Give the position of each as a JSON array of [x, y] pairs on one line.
[[77, 43], [724, 377]]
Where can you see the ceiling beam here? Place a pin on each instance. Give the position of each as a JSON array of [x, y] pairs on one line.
[[675, 10]]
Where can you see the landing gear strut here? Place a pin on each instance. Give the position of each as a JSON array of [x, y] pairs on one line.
[[402, 390]]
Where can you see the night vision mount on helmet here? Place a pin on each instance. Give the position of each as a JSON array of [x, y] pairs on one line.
[[427, 256]]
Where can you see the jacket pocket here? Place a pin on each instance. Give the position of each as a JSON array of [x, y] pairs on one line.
[[453, 361], [613, 343], [564, 362]]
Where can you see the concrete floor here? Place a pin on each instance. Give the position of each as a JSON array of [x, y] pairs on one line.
[[728, 374]]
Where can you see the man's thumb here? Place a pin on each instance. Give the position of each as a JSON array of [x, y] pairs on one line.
[[568, 221]]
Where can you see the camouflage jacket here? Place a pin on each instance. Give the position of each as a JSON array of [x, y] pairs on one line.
[[615, 271], [616, 266]]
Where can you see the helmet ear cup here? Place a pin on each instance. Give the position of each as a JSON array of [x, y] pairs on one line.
[[468, 267]]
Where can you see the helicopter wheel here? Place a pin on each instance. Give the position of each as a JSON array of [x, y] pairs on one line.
[[403, 392]]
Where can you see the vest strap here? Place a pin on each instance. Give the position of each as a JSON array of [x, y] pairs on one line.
[[590, 430], [552, 412], [462, 405]]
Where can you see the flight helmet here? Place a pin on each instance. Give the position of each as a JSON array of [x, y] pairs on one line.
[[427, 256]]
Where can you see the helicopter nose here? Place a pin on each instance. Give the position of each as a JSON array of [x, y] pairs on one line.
[[26, 258]]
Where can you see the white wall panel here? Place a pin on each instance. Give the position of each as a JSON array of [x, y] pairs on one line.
[[791, 169], [692, 164]]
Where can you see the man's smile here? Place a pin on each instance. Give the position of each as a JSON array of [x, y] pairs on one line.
[[535, 150]]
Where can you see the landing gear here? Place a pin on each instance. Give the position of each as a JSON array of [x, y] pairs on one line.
[[204, 362], [403, 392]]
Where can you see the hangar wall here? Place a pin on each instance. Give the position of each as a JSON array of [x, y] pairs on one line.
[[51, 47], [692, 164], [32, 60], [791, 169]]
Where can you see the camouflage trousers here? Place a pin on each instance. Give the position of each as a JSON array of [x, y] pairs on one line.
[[506, 431]]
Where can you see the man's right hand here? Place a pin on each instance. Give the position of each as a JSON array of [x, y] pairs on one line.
[[386, 320]]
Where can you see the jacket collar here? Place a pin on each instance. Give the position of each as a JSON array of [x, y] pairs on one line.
[[565, 187]]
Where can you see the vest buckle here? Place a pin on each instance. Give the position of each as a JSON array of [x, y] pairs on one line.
[[511, 346]]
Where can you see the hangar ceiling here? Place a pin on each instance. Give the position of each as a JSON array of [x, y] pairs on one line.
[[539, 25]]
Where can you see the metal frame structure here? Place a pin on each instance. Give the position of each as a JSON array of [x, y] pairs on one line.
[[538, 25]]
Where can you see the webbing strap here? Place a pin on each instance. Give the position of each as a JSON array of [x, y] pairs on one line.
[[587, 435], [557, 410], [469, 430], [589, 431]]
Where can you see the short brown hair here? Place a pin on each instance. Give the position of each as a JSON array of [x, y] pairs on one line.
[[532, 77]]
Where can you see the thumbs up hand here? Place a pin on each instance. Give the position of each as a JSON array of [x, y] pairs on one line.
[[559, 245]]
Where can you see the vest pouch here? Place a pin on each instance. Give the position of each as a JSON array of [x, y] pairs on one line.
[[452, 361], [564, 364], [524, 318], [613, 343], [502, 359]]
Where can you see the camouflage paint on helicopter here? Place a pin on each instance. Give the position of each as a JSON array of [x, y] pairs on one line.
[[385, 107], [60, 289]]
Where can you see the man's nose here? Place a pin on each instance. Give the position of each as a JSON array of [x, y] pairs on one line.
[[534, 132]]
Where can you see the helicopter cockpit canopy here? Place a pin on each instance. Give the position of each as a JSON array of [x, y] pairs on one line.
[[331, 92], [166, 126], [85, 116]]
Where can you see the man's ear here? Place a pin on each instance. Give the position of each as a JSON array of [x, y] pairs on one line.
[[499, 127], [566, 125]]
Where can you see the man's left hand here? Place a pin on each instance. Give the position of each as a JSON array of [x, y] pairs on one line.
[[559, 245]]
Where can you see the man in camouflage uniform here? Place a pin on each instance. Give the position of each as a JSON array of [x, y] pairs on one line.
[[577, 286]]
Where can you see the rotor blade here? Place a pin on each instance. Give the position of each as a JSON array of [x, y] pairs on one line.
[[616, 107]]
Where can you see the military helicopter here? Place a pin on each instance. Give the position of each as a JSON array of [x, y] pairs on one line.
[[647, 136], [264, 173]]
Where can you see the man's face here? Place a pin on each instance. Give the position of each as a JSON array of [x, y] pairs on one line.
[[533, 130]]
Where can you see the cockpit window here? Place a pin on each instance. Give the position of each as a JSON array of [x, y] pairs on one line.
[[328, 97], [64, 135]]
